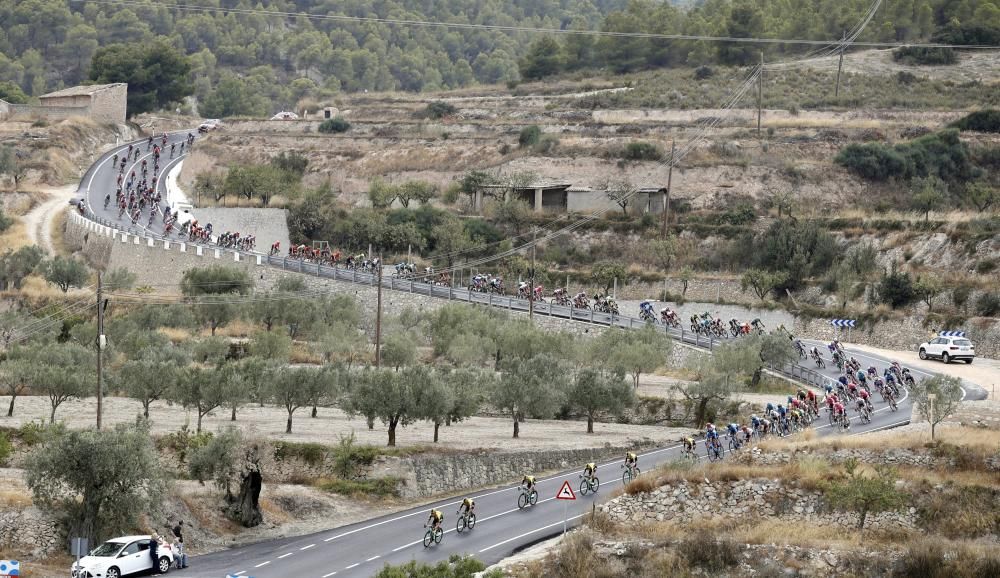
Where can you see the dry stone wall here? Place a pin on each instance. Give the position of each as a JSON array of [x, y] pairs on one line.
[[29, 530], [742, 500]]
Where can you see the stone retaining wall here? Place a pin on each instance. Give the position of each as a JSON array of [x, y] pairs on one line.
[[742, 500], [29, 530], [429, 475]]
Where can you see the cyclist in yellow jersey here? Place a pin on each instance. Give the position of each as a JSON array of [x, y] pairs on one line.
[[435, 519], [528, 482], [468, 504], [631, 459], [688, 443], [589, 469]]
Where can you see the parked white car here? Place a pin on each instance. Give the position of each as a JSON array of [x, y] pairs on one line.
[[947, 349], [125, 556]]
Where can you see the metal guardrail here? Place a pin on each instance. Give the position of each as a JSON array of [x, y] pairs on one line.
[[793, 371]]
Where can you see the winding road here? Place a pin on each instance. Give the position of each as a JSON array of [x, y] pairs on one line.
[[361, 549]]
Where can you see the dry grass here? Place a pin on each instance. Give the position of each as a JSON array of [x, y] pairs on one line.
[[57, 234], [15, 498], [236, 328], [979, 440], [15, 237], [301, 353], [809, 473], [174, 334]]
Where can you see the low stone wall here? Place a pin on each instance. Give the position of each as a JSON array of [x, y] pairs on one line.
[[29, 530], [428, 475], [742, 500]]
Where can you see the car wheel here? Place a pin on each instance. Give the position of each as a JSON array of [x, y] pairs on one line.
[[945, 358], [969, 361], [164, 565], [112, 573], [922, 354]]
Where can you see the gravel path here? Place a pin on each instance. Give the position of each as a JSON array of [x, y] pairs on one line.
[[38, 221]]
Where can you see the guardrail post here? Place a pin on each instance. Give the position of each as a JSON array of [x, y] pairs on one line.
[[301, 261], [591, 315]]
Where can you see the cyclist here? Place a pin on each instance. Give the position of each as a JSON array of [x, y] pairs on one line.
[[435, 519], [755, 422], [468, 505], [528, 483], [839, 412], [631, 460], [733, 430], [865, 397], [747, 433], [688, 442], [711, 436], [862, 377], [862, 407], [588, 471], [107, 200]]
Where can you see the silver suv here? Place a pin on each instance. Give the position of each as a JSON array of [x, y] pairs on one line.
[[947, 349]]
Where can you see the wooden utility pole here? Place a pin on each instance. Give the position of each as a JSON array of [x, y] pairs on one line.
[[531, 276], [760, 92], [378, 317], [666, 196], [840, 65], [100, 349]]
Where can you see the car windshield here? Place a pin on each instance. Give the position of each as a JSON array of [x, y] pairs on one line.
[[963, 342], [107, 549]]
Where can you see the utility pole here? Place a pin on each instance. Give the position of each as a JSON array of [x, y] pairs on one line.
[[378, 317], [666, 196], [760, 92], [531, 288], [930, 417], [840, 66], [100, 348]]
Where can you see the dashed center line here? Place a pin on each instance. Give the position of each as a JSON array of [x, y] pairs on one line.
[[285, 555], [307, 547], [330, 574], [373, 558], [355, 565], [262, 564], [240, 573]]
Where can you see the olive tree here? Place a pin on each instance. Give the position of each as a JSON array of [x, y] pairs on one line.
[[15, 375], [593, 392], [392, 396], [294, 388], [210, 289], [232, 458], [937, 398], [56, 373], [152, 375], [97, 481], [865, 494], [65, 272], [203, 390], [529, 386]]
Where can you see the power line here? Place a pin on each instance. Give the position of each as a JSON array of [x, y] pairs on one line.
[[525, 29]]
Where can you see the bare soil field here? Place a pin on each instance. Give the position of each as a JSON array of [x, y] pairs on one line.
[[472, 434]]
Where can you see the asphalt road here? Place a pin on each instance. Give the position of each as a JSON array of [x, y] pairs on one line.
[[361, 549], [100, 180]]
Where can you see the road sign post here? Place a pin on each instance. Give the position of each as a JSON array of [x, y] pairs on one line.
[[566, 494]]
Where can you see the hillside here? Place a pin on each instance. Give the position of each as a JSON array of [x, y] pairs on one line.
[[268, 56]]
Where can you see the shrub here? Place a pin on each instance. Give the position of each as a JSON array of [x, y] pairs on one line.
[[872, 161], [986, 266], [5, 448], [640, 486], [896, 289], [439, 109], [529, 136], [941, 154], [333, 125], [31, 433], [982, 121], [919, 55], [968, 34], [310, 453], [546, 144], [349, 459], [380, 487], [705, 551], [988, 304], [642, 151], [703, 72], [925, 560], [5, 221], [741, 214]]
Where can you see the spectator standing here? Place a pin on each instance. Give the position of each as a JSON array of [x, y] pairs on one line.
[[179, 535], [154, 543]]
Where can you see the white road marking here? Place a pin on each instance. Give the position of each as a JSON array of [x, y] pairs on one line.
[[330, 574], [240, 573], [307, 547], [262, 564], [285, 555], [376, 557], [353, 566], [530, 533]]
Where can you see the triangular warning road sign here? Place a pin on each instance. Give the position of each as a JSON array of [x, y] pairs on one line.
[[565, 492]]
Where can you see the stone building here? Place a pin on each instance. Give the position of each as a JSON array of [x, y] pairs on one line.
[[100, 102]]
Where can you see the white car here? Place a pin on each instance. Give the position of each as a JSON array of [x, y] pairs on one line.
[[125, 556], [948, 348]]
